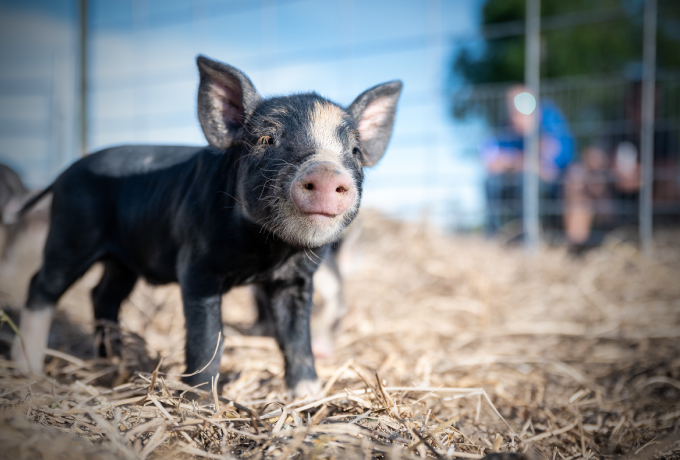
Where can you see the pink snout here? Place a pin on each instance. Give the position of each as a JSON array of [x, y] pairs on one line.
[[323, 190]]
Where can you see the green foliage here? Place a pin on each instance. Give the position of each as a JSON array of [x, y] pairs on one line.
[[603, 47], [668, 37]]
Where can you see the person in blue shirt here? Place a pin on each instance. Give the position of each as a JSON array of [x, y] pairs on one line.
[[503, 156]]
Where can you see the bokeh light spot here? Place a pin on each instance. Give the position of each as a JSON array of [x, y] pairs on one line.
[[525, 103]]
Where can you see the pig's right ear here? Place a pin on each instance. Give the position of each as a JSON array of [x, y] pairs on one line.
[[374, 112], [225, 98]]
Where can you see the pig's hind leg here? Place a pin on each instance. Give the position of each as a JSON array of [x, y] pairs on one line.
[[264, 326], [326, 316], [115, 285], [64, 261]]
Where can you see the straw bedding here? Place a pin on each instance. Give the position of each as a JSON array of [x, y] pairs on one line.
[[453, 347]]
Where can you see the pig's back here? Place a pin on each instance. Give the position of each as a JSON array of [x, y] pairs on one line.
[[131, 160], [123, 201], [123, 183]]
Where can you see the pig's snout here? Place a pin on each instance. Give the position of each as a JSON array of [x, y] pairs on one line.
[[323, 190]]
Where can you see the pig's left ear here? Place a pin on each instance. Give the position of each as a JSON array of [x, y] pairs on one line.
[[374, 112], [225, 98]]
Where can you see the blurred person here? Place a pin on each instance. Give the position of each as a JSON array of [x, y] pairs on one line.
[[587, 196], [627, 158], [503, 157], [603, 189], [627, 179], [626, 167]]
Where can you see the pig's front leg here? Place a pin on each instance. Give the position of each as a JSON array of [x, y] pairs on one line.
[[291, 303], [202, 300]]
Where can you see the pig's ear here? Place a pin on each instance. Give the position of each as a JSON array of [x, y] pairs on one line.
[[225, 98], [374, 112]]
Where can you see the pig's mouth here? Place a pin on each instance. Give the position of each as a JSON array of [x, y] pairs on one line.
[[320, 217], [319, 221], [309, 229]]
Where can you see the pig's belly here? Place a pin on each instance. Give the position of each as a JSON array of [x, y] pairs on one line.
[[156, 267], [161, 269], [159, 275]]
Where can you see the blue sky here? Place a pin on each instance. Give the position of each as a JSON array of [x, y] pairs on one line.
[[143, 80]]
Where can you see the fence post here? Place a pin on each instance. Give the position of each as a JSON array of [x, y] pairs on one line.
[[647, 133], [532, 68]]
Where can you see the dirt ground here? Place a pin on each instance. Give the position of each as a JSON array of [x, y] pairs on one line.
[[453, 347]]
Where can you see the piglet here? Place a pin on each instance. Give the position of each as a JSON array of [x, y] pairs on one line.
[[278, 183]]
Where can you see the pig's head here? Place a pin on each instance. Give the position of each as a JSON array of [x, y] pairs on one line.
[[301, 169]]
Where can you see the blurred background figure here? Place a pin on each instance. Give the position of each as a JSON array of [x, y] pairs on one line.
[[602, 190], [588, 195], [13, 223], [13, 192], [503, 157]]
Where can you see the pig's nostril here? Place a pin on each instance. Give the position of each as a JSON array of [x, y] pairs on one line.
[[309, 186], [341, 189]]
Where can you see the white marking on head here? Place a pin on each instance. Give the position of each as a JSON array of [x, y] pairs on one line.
[[324, 122]]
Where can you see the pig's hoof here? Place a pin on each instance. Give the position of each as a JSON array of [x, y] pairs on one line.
[[322, 348], [307, 389], [21, 364]]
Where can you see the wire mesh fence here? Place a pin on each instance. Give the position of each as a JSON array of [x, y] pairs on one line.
[[590, 131]]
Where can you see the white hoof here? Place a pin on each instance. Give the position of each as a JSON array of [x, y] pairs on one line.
[[307, 389], [19, 357], [29, 355], [23, 365]]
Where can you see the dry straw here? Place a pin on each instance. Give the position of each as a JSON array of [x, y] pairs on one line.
[[452, 348]]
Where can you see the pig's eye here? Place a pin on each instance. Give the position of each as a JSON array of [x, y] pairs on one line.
[[356, 152], [266, 140]]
